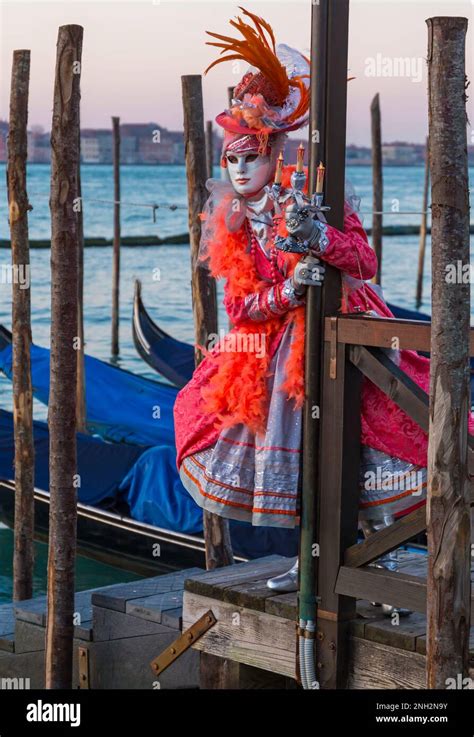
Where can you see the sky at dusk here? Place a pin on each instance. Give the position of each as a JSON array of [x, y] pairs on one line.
[[135, 53]]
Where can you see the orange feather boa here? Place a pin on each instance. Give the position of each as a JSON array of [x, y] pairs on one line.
[[237, 391]]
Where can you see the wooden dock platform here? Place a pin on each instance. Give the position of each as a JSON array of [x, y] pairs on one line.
[[120, 628], [257, 628]]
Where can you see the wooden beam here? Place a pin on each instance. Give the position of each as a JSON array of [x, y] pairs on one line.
[[391, 587], [378, 584], [390, 379], [243, 635], [448, 513], [387, 539], [379, 332], [399, 387]]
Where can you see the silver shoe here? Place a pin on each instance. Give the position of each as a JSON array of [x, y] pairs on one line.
[[388, 610], [287, 582]]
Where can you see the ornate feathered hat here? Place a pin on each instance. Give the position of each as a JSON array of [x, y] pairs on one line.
[[273, 95]]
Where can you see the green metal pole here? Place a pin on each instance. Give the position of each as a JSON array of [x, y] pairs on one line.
[[311, 421]]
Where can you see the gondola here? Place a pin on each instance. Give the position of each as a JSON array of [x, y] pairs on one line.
[[121, 406], [113, 538], [133, 511], [170, 357]]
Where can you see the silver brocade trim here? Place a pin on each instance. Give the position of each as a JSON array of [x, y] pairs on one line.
[[289, 291], [272, 302], [252, 305], [323, 241]]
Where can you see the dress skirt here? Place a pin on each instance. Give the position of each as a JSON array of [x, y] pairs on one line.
[[255, 478], [252, 477]]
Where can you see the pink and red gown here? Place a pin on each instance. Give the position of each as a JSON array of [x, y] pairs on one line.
[[244, 475]]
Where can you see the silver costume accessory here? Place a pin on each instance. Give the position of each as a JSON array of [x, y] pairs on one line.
[[287, 582], [306, 207]]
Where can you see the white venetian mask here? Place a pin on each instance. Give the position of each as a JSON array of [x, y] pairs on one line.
[[249, 172]]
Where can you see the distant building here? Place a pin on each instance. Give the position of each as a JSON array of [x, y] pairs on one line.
[[150, 143], [3, 140], [39, 146], [358, 155], [96, 146], [403, 154]]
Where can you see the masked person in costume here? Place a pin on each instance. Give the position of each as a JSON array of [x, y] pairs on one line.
[[238, 421]]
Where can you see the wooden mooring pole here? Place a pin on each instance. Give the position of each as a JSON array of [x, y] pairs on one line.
[[116, 251], [209, 148], [377, 184], [424, 220], [23, 556], [216, 529], [448, 512], [81, 411], [63, 373]]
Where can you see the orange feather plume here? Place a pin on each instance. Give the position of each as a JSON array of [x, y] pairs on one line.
[[257, 48]]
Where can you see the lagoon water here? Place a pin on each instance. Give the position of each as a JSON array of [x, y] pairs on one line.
[[169, 298]]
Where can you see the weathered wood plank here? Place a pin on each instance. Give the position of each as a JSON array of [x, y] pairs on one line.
[[338, 511], [387, 539], [117, 595], [112, 625], [401, 634], [378, 666], [152, 608], [380, 333], [390, 379], [252, 595], [285, 605], [214, 583], [246, 636], [377, 584]]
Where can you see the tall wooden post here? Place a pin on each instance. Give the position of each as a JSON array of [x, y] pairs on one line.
[[116, 251], [81, 411], [23, 556], [216, 529], [423, 228], [209, 148], [334, 482], [377, 184], [448, 512], [63, 377]]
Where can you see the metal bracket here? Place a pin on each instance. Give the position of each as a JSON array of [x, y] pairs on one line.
[[333, 348], [83, 661], [183, 643]]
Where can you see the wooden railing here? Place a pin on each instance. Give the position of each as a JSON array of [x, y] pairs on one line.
[[353, 349]]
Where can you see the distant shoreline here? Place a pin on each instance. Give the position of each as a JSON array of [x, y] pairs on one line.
[[182, 239], [390, 164]]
